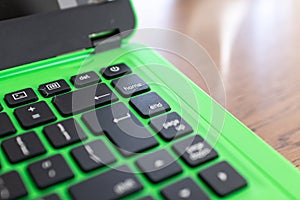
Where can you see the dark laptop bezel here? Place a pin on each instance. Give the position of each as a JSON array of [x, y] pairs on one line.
[[38, 37]]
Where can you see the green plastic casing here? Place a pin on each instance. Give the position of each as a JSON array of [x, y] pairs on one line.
[[268, 174]]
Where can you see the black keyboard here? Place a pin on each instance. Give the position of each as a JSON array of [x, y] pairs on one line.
[[112, 111]]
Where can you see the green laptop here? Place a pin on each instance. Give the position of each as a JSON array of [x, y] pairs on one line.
[[86, 114]]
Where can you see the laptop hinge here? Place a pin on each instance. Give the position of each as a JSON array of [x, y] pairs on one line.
[[105, 41]]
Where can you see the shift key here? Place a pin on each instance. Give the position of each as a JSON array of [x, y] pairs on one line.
[[113, 184]]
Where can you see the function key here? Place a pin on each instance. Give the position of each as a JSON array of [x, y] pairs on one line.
[[11, 186], [149, 105], [113, 184], [6, 126], [54, 88], [170, 126], [115, 71], [222, 179], [184, 189], [85, 79], [84, 99], [93, 155], [23, 147], [159, 166], [34, 115], [195, 151], [20, 97], [50, 197], [50, 171], [130, 85], [121, 127], [64, 133]]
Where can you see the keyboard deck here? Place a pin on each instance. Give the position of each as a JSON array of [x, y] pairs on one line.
[[81, 129]]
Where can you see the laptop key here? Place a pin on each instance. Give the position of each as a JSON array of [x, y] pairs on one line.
[[84, 99], [50, 171], [64, 133], [222, 179], [6, 126], [23, 147], [170, 126], [50, 197], [54, 88], [149, 105], [12, 186], [121, 127], [184, 189], [93, 155], [34, 115], [20, 98], [195, 151], [159, 166], [111, 185], [130, 85], [85, 79], [115, 71]]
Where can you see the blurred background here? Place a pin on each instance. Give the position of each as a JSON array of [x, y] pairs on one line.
[[256, 46]]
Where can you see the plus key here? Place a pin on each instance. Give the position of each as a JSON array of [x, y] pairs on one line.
[[34, 115]]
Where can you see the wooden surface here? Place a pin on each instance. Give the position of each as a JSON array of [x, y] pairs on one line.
[[256, 46]]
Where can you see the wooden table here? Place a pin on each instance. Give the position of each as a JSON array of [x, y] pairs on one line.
[[256, 46]]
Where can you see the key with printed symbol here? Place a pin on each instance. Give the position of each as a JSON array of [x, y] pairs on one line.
[[20, 97], [54, 88], [93, 155], [34, 115], [170, 126], [149, 105], [130, 85], [121, 127], [115, 71], [113, 184], [50, 171], [195, 151], [184, 189], [85, 79], [23, 147], [159, 166], [64, 133], [222, 179], [84, 99], [12, 186]]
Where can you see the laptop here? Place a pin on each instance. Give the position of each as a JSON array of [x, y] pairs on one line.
[[87, 115]]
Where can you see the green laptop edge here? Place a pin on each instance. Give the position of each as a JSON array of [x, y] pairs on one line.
[[268, 174]]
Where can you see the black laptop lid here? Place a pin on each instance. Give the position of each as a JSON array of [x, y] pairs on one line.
[[33, 30]]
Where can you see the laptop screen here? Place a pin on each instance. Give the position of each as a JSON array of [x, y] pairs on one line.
[[34, 30], [10, 9]]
